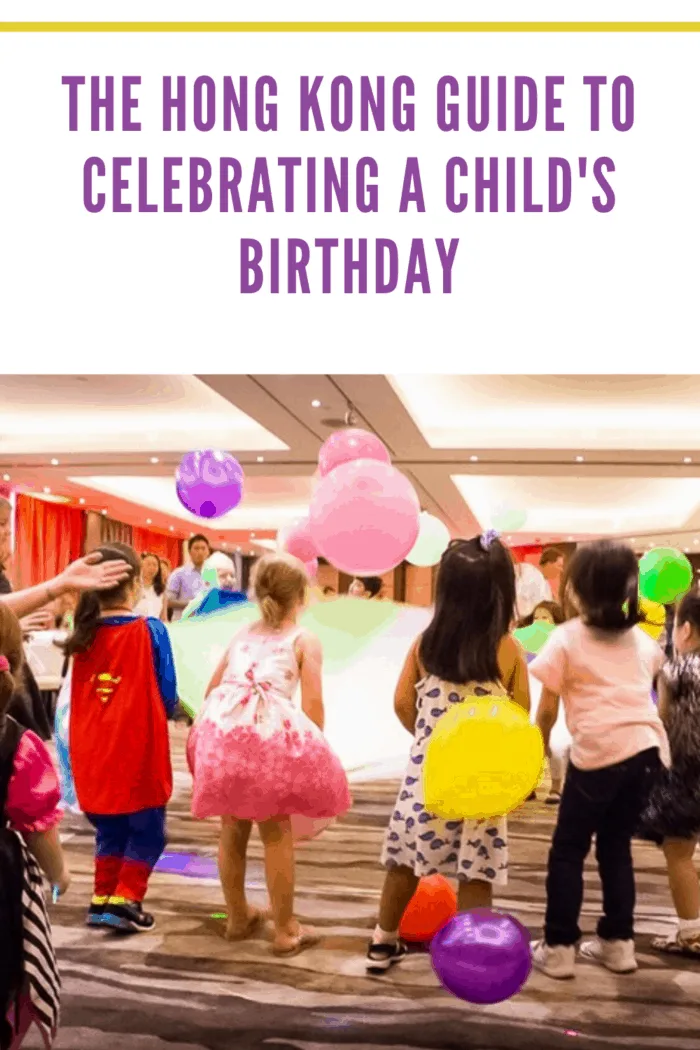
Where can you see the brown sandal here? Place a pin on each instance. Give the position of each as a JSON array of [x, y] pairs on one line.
[[678, 945], [256, 920]]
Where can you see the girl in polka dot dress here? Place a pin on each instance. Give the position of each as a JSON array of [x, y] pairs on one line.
[[466, 651]]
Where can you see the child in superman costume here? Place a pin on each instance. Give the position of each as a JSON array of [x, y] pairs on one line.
[[123, 689]]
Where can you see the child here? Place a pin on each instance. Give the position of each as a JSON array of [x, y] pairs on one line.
[[465, 650], [603, 667], [558, 754], [256, 757], [29, 818], [672, 817], [122, 691]]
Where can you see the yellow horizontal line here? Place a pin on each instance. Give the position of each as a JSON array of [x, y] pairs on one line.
[[349, 27]]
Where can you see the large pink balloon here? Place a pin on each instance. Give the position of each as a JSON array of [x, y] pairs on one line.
[[364, 517], [299, 542], [347, 445]]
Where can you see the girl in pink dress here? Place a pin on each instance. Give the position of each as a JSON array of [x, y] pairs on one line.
[[29, 844], [258, 756]]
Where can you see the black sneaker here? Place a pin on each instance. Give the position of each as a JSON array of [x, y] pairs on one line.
[[128, 918], [380, 957], [95, 915]]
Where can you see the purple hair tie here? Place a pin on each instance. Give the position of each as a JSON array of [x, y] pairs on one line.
[[488, 538]]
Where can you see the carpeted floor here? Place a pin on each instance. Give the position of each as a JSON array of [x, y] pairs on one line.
[[184, 987]]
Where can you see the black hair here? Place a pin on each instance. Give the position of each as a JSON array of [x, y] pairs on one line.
[[604, 578], [688, 610], [158, 581], [474, 606], [198, 538], [91, 603], [373, 584], [550, 556]]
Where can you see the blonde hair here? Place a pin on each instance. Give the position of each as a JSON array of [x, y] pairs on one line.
[[11, 649], [280, 582]]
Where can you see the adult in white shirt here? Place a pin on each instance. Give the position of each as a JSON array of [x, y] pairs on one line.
[[152, 600], [531, 588]]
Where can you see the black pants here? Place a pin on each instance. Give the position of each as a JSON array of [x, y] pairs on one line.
[[606, 803]]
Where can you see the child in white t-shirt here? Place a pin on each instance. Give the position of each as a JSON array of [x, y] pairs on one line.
[[603, 667]]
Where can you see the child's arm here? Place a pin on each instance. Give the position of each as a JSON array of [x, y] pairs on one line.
[[513, 667], [547, 714], [164, 663], [310, 657], [46, 847], [405, 695], [33, 807]]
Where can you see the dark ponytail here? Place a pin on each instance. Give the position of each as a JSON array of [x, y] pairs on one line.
[[604, 579], [92, 603]]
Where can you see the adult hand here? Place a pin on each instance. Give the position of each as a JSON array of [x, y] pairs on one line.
[[41, 620], [92, 574]]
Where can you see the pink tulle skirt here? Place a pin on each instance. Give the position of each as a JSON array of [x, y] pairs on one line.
[[277, 764]]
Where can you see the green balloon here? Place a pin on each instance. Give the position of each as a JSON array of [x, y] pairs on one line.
[[664, 575]]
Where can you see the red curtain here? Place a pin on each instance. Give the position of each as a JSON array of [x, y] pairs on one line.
[[146, 540], [48, 537]]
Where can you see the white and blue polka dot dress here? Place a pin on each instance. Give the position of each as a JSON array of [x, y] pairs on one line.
[[416, 839]]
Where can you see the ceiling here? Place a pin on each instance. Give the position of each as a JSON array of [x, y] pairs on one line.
[[581, 455]]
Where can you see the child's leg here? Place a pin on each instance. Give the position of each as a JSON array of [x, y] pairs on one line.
[[145, 844], [111, 837], [232, 863], [399, 886], [576, 822], [682, 877], [474, 893], [277, 839], [557, 769]]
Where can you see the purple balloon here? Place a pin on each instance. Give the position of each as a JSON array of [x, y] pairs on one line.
[[209, 483], [482, 956]]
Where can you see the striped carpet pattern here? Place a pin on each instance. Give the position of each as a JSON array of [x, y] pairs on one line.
[[185, 988]]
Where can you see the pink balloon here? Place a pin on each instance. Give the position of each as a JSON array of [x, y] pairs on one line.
[[312, 568], [364, 517], [347, 445], [299, 542]]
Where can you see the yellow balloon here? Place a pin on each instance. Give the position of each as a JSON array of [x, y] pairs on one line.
[[483, 759], [654, 618]]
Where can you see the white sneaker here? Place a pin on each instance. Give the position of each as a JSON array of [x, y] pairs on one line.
[[616, 956], [557, 962]]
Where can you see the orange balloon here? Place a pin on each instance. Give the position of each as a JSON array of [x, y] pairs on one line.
[[432, 905]]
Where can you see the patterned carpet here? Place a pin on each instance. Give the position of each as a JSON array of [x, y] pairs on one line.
[[184, 987]]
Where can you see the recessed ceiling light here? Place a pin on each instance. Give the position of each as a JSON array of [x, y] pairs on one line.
[[54, 462], [191, 535], [172, 528], [103, 512], [154, 460], [6, 477], [579, 459], [633, 540], [148, 521], [696, 542], [474, 459], [252, 535], [81, 500], [315, 403], [261, 459], [238, 549], [47, 490], [687, 459], [687, 550], [570, 539]]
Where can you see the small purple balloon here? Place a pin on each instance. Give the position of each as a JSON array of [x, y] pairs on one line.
[[209, 483], [482, 956]]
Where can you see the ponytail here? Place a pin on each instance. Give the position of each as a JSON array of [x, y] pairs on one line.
[[273, 612], [87, 616], [91, 603]]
